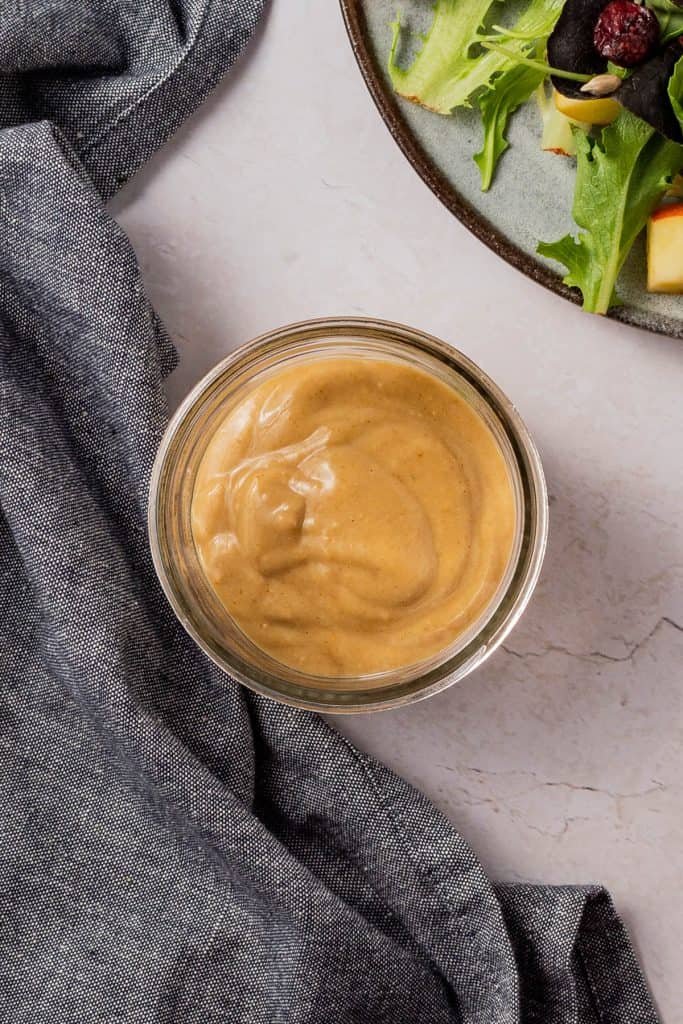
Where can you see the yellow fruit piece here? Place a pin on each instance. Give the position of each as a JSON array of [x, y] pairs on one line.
[[665, 250], [592, 111]]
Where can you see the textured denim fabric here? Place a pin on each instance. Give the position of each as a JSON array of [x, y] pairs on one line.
[[173, 848]]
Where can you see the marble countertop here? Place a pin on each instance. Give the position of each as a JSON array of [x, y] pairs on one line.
[[560, 760]]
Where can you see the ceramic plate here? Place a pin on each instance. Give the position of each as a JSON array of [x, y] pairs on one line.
[[531, 198]]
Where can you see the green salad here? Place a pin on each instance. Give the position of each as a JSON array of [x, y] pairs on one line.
[[608, 80]]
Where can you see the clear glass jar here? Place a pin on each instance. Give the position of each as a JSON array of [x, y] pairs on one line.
[[194, 600]]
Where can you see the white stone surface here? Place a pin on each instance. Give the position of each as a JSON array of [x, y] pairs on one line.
[[560, 760]]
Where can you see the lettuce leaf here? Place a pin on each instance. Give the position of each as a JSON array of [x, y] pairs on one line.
[[621, 176], [435, 77], [446, 73], [676, 91], [670, 18], [512, 88]]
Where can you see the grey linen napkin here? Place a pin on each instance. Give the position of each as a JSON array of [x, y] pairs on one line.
[[172, 847]]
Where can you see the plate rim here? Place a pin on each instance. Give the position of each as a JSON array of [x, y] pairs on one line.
[[479, 225]]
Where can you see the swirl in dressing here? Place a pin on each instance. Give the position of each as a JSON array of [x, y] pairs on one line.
[[353, 515]]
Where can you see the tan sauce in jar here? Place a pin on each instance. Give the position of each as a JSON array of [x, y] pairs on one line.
[[353, 515]]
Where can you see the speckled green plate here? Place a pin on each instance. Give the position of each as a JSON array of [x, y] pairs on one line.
[[531, 197]]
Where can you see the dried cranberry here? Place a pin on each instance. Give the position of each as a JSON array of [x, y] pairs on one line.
[[626, 33]]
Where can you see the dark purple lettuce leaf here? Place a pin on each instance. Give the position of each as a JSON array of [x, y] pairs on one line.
[[646, 92], [570, 46]]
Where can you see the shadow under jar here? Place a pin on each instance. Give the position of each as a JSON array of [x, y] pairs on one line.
[[196, 601]]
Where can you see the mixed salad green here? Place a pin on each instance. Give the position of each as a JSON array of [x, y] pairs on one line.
[[623, 169]]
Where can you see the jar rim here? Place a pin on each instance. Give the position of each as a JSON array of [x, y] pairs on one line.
[[489, 631]]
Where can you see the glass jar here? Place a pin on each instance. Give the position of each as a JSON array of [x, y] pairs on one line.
[[196, 603]]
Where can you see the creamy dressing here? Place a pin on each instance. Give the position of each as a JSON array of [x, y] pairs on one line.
[[353, 515]]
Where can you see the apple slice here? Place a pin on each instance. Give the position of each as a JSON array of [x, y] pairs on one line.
[[665, 250]]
